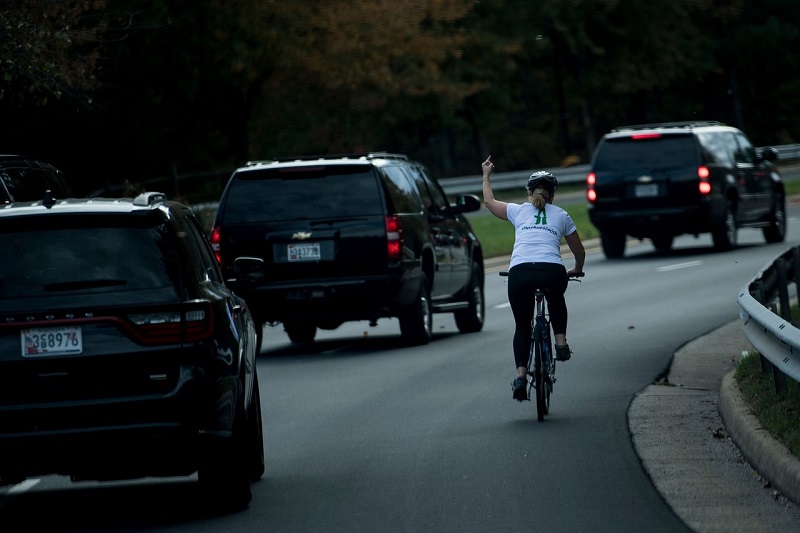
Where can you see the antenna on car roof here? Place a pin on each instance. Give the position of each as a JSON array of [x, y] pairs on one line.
[[48, 201], [149, 198]]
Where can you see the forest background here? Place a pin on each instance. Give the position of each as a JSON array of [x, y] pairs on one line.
[[178, 93]]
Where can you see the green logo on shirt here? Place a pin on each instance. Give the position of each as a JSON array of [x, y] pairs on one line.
[[541, 217]]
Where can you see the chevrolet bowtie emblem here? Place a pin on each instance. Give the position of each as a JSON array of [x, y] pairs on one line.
[[301, 236]]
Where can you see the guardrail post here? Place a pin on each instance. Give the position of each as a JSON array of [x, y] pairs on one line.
[[796, 271], [757, 291], [783, 290], [780, 380]]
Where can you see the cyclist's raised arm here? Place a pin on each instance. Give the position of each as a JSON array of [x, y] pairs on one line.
[[576, 247], [495, 207]]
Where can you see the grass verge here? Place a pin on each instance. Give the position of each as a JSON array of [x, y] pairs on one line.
[[777, 412]]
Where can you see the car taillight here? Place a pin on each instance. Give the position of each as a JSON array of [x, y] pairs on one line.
[[704, 185], [191, 323], [394, 238], [642, 136], [214, 238], [591, 193]]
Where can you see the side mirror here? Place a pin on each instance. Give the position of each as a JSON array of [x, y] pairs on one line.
[[769, 154], [249, 269], [468, 203]]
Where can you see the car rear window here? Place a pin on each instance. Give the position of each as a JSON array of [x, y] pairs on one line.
[[665, 151], [303, 193], [67, 257]]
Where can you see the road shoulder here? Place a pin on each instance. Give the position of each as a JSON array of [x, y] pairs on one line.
[[680, 437]]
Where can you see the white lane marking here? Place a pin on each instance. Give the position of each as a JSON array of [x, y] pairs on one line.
[[502, 306], [679, 266], [26, 485]]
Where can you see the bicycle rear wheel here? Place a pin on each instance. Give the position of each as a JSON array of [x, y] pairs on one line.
[[540, 380]]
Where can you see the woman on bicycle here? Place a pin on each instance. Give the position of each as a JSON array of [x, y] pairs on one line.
[[536, 262]]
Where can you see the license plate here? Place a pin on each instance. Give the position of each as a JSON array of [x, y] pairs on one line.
[[304, 252], [44, 342], [646, 190]]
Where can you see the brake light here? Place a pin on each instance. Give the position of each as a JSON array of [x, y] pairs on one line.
[[192, 323], [642, 136], [591, 193], [214, 239], [704, 186], [394, 238]]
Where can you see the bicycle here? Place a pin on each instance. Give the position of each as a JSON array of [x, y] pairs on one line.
[[543, 375]]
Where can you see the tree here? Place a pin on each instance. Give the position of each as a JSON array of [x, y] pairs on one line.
[[49, 50]]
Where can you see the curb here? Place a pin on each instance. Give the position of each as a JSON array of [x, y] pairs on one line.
[[767, 455]]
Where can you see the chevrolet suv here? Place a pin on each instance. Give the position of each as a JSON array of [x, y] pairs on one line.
[[123, 354], [659, 181], [314, 242]]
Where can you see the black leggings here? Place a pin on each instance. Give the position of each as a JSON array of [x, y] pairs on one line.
[[523, 279]]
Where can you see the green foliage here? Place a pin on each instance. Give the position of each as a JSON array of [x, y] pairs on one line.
[[777, 412], [47, 50], [192, 86]]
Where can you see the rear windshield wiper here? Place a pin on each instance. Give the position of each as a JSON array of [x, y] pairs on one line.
[[86, 284]]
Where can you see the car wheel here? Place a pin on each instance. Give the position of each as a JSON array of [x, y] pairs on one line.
[[255, 435], [613, 244], [776, 231], [725, 235], [224, 473], [470, 320], [663, 243], [416, 322], [300, 332]]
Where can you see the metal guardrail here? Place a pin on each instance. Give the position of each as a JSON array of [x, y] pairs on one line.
[[566, 175], [766, 316]]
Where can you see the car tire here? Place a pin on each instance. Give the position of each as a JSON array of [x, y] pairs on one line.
[[662, 243], [416, 322], [224, 473], [300, 332], [255, 435], [470, 320], [724, 236], [776, 231], [613, 244]]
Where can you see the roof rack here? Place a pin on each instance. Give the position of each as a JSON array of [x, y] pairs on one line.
[[684, 124], [352, 155]]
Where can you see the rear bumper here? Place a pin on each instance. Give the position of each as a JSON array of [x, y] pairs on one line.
[[644, 223], [331, 300], [118, 438]]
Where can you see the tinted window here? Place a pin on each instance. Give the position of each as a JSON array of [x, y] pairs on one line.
[[303, 193], [27, 183], [718, 147], [69, 256], [403, 191], [745, 153], [433, 196], [661, 152]]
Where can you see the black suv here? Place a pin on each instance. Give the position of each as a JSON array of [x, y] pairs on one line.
[[23, 179], [123, 353], [317, 241], [659, 181]]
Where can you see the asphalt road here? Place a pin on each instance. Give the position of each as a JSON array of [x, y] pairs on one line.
[[364, 434]]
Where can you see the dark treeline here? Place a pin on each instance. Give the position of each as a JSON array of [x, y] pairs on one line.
[[116, 90]]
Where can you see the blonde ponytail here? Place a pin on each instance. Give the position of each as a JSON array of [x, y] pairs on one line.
[[539, 197]]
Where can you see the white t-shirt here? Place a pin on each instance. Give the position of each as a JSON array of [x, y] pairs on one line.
[[538, 233]]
